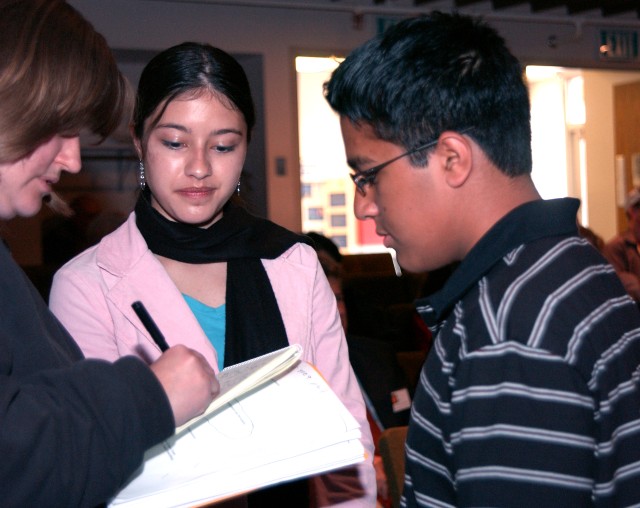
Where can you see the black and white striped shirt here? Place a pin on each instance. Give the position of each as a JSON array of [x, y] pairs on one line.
[[530, 394]]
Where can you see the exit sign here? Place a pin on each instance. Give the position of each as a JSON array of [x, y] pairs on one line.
[[619, 45]]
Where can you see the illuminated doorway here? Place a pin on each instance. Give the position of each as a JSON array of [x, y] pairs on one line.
[[559, 166]]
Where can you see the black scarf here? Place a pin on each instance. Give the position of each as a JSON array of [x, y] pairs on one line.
[[254, 324]]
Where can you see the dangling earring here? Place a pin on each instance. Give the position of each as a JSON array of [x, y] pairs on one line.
[[141, 180], [238, 188]]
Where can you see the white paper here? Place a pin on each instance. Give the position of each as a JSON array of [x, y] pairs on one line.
[[294, 426]]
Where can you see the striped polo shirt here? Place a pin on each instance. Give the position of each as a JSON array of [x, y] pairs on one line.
[[530, 394]]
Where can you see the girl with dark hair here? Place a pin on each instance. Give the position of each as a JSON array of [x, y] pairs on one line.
[[217, 279], [73, 430]]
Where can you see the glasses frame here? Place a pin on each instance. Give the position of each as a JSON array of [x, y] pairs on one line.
[[368, 176]]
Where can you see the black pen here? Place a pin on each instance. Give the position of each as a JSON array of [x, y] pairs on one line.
[[150, 325]]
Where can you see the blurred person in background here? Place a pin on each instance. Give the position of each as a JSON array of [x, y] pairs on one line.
[[622, 250]]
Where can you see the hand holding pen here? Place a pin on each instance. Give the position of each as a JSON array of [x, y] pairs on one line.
[[188, 380]]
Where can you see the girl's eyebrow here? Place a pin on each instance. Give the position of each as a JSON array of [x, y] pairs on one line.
[[173, 126], [182, 128], [227, 131]]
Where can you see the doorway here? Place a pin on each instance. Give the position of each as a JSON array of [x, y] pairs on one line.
[[559, 162]]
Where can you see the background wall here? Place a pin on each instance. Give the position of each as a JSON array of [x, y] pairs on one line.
[[280, 34], [599, 135], [277, 34]]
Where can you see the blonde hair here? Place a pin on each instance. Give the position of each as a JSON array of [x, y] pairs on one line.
[[57, 77]]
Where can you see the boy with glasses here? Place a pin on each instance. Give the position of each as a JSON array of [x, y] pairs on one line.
[[529, 396]]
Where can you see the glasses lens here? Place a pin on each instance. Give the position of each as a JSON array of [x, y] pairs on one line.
[[358, 180]]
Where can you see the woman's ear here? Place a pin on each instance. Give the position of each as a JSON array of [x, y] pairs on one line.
[[457, 153]]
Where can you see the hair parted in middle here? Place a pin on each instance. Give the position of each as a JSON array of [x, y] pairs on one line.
[[191, 67], [433, 73]]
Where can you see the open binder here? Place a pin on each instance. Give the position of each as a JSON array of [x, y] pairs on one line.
[[276, 419]]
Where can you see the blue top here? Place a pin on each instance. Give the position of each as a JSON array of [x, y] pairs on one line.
[[212, 322]]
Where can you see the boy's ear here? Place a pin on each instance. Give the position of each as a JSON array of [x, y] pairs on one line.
[[456, 152]]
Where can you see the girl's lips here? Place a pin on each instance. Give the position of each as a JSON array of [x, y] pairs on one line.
[[196, 191]]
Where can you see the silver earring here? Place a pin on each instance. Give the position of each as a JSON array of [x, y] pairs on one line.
[[238, 188], [141, 180]]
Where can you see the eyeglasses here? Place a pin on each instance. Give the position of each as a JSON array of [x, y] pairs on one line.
[[368, 176]]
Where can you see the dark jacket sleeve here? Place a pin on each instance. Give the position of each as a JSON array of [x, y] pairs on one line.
[[72, 436], [71, 430]]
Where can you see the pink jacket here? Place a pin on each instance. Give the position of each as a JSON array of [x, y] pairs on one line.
[[92, 296]]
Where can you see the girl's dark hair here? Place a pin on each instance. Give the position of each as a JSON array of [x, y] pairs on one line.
[[57, 76], [191, 67]]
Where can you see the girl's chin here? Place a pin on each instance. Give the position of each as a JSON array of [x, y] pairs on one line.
[[200, 221], [194, 216]]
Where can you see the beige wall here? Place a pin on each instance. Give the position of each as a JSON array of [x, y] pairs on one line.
[[280, 34]]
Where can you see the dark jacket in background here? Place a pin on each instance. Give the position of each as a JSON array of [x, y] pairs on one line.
[[376, 366]]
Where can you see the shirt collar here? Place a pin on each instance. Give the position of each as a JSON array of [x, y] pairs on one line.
[[526, 223]]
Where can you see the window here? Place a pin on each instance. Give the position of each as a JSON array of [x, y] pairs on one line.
[[338, 221], [315, 213], [338, 199], [340, 240]]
